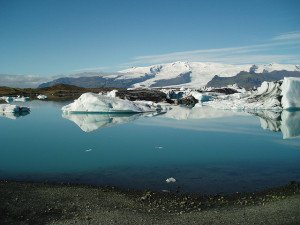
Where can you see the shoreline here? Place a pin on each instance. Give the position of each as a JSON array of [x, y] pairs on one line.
[[44, 203]]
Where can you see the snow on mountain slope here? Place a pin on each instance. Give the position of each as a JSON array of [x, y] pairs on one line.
[[275, 66], [163, 71], [194, 74]]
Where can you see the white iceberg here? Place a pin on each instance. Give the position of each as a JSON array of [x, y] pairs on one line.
[[10, 99], [200, 97], [183, 93], [112, 93], [21, 99], [275, 95], [41, 97], [290, 93], [91, 103], [266, 97]]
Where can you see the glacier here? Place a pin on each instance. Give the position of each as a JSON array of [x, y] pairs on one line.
[[197, 74]]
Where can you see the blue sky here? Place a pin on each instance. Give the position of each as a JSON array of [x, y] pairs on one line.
[[53, 37]]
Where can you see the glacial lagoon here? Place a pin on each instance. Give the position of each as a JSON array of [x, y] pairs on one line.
[[207, 151]]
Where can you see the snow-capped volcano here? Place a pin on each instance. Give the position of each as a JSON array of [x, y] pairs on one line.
[[194, 74]]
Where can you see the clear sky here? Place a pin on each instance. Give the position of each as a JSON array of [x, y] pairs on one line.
[[52, 37]]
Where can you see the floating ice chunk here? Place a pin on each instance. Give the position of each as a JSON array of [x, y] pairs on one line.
[[112, 93], [183, 93], [266, 97], [21, 99], [200, 96], [90, 102], [171, 180], [290, 93], [41, 97]]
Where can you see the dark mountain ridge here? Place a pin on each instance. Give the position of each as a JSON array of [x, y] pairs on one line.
[[249, 80]]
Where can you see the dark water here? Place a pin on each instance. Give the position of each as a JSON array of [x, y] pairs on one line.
[[205, 150]]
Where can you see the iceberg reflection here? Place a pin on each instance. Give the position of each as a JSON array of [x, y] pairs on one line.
[[93, 121], [288, 122], [13, 115]]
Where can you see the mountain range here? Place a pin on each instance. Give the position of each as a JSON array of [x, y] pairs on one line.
[[178, 74]]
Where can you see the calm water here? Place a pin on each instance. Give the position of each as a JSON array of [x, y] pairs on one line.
[[205, 150]]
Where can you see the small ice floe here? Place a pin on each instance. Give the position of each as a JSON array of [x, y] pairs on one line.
[[88, 150], [171, 180], [159, 147], [41, 97], [21, 99]]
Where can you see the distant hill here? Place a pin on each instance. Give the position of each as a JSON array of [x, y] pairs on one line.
[[60, 92], [65, 92], [250, 80], [97, 81]]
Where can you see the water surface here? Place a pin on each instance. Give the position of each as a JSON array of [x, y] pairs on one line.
[[205, 150]]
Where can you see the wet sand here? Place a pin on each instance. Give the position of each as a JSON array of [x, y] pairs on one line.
[[39, 203]]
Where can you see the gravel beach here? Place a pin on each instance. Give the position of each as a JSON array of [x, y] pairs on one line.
[[39, 203]]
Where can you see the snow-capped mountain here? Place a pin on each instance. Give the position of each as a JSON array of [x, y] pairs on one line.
[[177, 74], [195, 74]]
